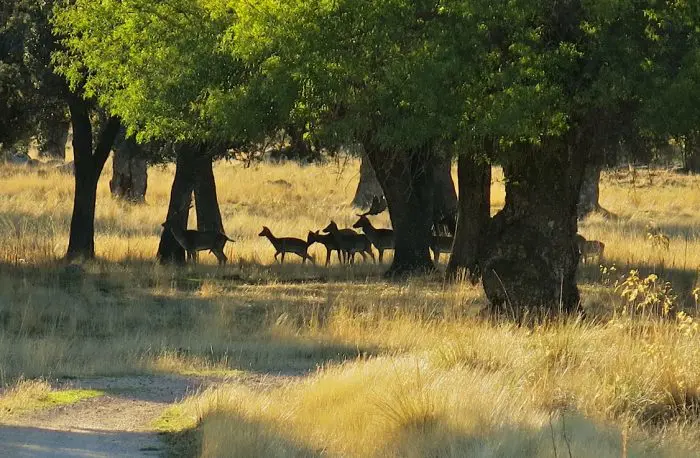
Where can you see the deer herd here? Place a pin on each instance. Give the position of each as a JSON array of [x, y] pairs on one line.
[[345, 242]]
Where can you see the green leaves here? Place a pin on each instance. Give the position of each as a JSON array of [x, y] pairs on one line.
[[406, 73]]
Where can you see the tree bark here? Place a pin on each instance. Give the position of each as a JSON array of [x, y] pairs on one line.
[[368, 186], [445, 206], [53, 136], [207, 203], [129, 171], [88, 168], [474, 181], [169, 250], [408, 184], [530, 258]]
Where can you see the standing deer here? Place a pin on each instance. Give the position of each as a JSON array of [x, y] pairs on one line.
[[589, 249], [193, 241], [328, 241], [382, 239], [350, 242], [284, 245]]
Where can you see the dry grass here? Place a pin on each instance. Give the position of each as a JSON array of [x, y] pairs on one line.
[[400, 369]]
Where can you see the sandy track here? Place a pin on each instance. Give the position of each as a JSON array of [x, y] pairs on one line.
[[118, 424]]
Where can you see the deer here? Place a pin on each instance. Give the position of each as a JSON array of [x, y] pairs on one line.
[[328, 241], [284, 245], [350, 242], [377, 206], [193, 241], [382, 239], [440, 244], [589, 249]]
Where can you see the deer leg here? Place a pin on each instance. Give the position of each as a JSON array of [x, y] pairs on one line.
[[328, 256], [220, 256], [437, 255], [364, 256], [303, 258], [283, 253], [371, 255], [381, 255]]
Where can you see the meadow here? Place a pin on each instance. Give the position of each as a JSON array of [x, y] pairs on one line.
[[355, 365]]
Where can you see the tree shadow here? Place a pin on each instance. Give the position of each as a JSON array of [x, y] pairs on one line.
[[24, 441]]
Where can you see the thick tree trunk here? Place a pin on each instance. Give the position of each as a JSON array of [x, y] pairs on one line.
[[530, 257], [589, 200], [53, 136], [445, 197], [169, 250], [129, 171], [368, 187], [88, 168], [207, 203], [408, 184], [474, 181]]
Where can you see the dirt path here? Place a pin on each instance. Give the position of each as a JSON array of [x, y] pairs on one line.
[[118, 424]]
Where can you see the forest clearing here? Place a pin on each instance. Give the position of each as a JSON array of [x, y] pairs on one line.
[[303, 360]]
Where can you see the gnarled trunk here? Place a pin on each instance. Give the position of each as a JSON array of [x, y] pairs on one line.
[[368, 186], [474, 181], [129, 171], [530, 257], [88, 168], [207, 203], [407, 181], [169, 250]]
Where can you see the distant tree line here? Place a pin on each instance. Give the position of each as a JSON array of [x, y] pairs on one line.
[[550, 91]]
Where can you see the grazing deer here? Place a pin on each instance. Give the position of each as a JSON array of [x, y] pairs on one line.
[[328, 241], [440, 244], [193, 241], [350, 242], [382, 239], [589, 249], [286, 245]]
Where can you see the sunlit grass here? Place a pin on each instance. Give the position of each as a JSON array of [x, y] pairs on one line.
[[370, 368]]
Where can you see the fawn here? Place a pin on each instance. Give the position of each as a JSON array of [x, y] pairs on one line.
[[326, 240], [350, 242], [382, 239], [284, 245], [193, 241], [589, 249]]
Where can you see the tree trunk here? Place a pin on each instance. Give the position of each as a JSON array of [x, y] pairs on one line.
[[207, 203], [129, 172], [530, 257], [53, 136], [691, 153], [408, 184], [474, 181], [368, 187], [589, 200], [169, 250], [88, 168], [445, 205]]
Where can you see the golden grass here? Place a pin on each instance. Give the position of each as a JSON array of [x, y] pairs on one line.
[[400, 369], [27, 395]]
